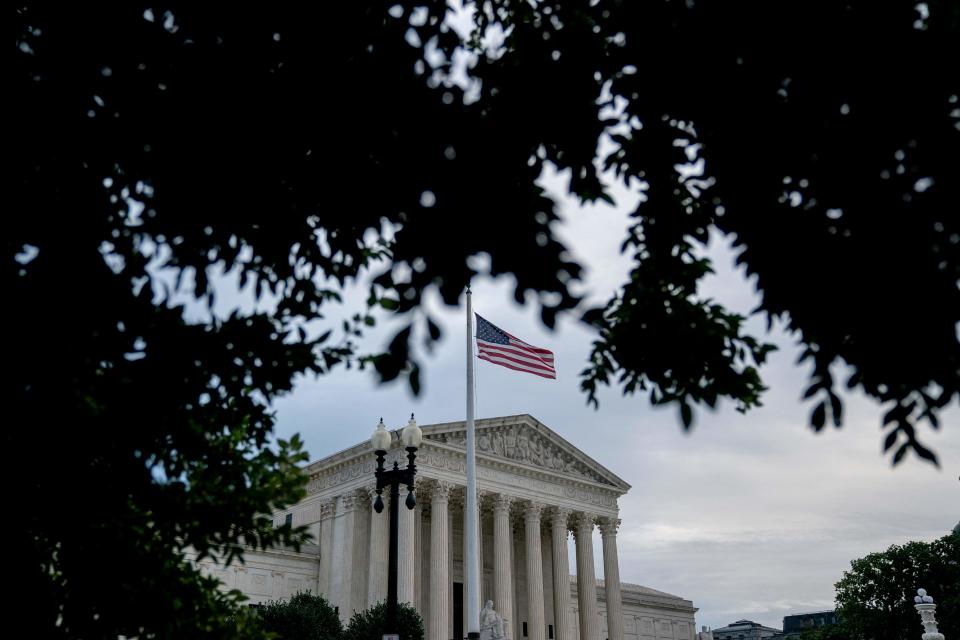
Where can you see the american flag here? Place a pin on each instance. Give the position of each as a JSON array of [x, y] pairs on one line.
[[499, 347]]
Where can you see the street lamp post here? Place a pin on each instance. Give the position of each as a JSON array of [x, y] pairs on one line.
[[411, 436]]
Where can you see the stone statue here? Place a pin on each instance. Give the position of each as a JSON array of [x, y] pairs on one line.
[[483, 441], [510, 449], [536, 451], [496, 443], [523, 447], [492, 625]]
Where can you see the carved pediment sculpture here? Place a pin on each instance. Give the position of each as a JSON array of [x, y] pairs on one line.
[[522, 444]]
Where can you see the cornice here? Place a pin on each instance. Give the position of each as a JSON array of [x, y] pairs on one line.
[[450, 461], [523, 469], [352, 454], [541, 429], [642, 596], [350, 470]]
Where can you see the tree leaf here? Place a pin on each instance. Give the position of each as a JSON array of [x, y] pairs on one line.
[[819, 416]]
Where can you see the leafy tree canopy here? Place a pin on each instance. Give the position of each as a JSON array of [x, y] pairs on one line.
[[303, 617], [836, 631], [875, 597], [299, 146]]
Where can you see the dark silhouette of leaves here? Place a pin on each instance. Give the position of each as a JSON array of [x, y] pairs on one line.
[[298, 147]]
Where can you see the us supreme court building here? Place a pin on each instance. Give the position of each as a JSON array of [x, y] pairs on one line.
[[536, 490]]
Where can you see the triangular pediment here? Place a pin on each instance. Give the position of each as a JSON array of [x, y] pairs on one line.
[[525, 440]]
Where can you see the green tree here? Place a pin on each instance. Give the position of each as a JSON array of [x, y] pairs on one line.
[[296, 147], [836, 631], [371, 624], [875, 597], [303, 617]]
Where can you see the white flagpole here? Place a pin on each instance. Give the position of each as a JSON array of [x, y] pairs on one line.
[[472, 565]]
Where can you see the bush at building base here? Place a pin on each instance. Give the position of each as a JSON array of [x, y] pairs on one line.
[[371, 624]]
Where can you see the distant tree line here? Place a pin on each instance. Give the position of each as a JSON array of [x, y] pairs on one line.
[[874, 599]]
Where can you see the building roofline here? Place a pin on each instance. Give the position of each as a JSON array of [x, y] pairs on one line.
[[443, 427]]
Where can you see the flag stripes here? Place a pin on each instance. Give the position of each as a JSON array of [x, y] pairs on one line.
[[499, 347]]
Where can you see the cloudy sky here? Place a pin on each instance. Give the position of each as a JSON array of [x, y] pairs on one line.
[[749, 516]]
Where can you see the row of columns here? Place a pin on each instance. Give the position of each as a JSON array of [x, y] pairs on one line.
[[344, 549], [336, 574], [380, 551]]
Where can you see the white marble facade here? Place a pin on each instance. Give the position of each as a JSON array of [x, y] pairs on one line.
[[535, 488]]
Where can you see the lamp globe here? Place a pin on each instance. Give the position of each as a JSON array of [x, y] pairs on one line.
[[412, 436], [380, 440]]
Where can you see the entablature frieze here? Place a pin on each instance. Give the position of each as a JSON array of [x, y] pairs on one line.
[[444, 462], [521, 493], [522, 443], [442, 456], [345, 472]]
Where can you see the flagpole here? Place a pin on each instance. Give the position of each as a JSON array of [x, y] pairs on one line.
[[472, 526]]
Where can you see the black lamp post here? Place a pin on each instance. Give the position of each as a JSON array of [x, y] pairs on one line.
[[411, 436]]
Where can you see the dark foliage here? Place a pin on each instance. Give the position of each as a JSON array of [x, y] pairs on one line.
[[875, 597], [838, 631], [371, 624], [303, 617], [158, 144], [829, 134]]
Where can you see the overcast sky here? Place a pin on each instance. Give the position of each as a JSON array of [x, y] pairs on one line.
[[749, 516]]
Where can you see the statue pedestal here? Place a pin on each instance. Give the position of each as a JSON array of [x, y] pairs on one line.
[[929, 622], [927, 610]]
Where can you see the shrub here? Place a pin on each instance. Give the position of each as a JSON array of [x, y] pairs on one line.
[[304, 617], [371, 623]]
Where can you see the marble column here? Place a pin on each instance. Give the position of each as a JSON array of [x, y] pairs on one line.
[[611, 578], [450, 538], [418, 543], [561, 574], [503, 562], [406, 556], [379, 554], [341, 580], [439, 563], [536, 623], [586, 578], [361, 543], [327, 511]]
